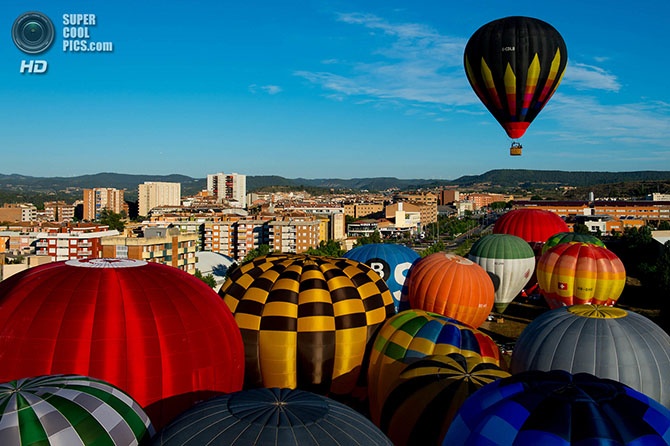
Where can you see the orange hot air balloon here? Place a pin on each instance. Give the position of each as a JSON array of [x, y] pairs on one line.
[[580, 273], [453, 286]]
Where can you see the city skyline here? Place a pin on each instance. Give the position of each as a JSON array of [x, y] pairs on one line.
[[339, 89]]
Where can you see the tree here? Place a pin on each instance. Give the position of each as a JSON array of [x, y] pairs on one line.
[[375, 237], [581, 228], [262, 250], [112, 219], [208, 279], [331, 248], [432, 249]]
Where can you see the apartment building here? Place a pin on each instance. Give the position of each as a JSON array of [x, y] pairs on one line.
[[654, 211], [482, 200], [18, 212], [249, 234], [151, 194], [168, 246], [59, 211], [293, 235], [72, 245], [98, 199], [229, 187], [219, 237], [361, 210], [426, 202]]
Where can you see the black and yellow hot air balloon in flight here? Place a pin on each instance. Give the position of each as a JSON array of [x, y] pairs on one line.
[[515, 64]]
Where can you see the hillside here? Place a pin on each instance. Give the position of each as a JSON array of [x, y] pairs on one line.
[[23, 188]]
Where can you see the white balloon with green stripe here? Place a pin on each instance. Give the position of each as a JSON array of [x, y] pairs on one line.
[[510, 262], [70, 410]]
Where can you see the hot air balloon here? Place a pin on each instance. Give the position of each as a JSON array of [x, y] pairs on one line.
[[604, 341], [514, 65], [306, 320], [287, 417], [509, 259], [451, 285], [70, 409], [538, 408], [412, 335], [535, 226], [424, 399], [156, 332], [392, 262], [580, 273], [567, 237]]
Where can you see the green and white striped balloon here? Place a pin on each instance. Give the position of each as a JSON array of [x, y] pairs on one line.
[[70, 410]]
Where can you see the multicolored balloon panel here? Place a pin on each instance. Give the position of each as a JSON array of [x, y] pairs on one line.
[[580, 273], [451, 285], [424, 399], [567, 237], [509, 259], [607, 342], [287, 417], [70, 410], [540, 408], [514, 65], [412, 335], [156, 332], [306, 320], [392, 262]]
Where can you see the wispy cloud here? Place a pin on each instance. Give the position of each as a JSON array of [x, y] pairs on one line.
[[417, 65], [587, 77], [585, 119], [269, 89]]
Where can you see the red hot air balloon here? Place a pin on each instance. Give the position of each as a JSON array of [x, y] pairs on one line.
[[514, 65], [533, 225], [158, 333]]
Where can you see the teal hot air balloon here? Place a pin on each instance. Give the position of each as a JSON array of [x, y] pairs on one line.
[[70, 410], [510, 262], [271, 416], [392, 262]]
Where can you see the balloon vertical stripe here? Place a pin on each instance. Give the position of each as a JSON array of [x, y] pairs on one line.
[[510, 89], [490, 85], [531, 85], [550, 87]]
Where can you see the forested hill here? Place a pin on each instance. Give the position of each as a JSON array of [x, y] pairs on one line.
[[26, 188], [552, 178]]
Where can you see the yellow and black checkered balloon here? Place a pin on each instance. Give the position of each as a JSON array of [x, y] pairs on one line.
[[306, 320]]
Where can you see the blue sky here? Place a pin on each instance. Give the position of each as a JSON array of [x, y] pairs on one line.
[[325, 89]]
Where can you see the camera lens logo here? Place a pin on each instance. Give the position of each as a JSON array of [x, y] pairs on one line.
[[33, 33]]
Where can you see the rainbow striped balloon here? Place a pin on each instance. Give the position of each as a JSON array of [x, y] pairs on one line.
[[580, 273], [412, 335]]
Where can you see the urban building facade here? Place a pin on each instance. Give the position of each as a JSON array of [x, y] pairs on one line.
[[73, 245], [18, 212], [160, 245], [58, 211], [98, 199], [151, 194], [230, 187]]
